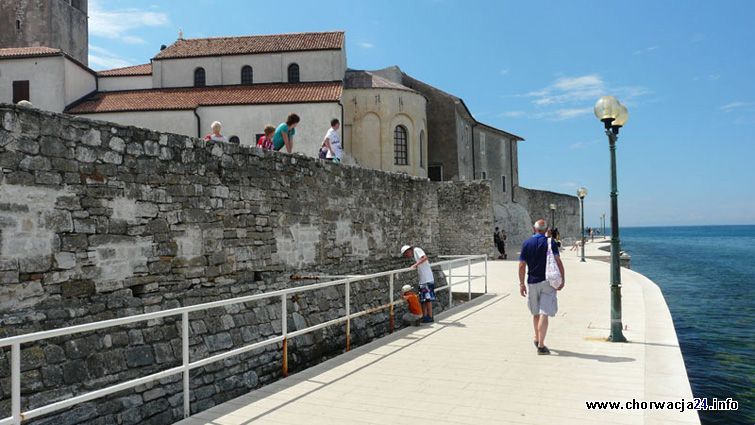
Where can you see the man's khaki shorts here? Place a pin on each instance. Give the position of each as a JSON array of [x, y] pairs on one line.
[[541, 299]]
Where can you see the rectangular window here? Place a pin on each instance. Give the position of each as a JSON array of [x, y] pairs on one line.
[[503, 183], [435, 173], [20, 91], [484, 175]]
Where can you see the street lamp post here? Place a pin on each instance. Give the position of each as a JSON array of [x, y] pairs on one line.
[[581, 193], [553, 216], [603, 222], [613, 115]]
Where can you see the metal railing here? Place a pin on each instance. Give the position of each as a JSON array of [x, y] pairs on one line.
[[17, 415]]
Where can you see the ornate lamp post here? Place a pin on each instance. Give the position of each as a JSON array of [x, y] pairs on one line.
[[581, 193], [613, 115], [553, 215]]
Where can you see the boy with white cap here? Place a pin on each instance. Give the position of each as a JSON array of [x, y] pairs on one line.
[[426, 281], [414, 315]]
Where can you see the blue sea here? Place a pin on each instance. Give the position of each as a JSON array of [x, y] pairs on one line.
[[707, 275]]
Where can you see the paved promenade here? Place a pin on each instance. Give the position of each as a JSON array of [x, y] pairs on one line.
[[477, 365]]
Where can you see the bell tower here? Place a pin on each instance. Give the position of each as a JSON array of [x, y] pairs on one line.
[[60, 24]]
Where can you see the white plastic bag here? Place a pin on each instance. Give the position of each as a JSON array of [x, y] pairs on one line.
[[552, 273]]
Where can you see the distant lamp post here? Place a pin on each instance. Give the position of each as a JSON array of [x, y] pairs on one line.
[[603, 224], [553, 216], [581, 193], [613, 115]]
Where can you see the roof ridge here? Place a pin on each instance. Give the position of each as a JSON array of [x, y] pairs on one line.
[[225, 37]]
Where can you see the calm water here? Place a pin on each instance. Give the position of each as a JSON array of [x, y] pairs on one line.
[[707, 275]]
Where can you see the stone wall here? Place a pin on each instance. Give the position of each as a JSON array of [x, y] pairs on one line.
[[537, 202], [99, 221]]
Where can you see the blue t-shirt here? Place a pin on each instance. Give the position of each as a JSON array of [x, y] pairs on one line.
[[278, 142], [535, 254]]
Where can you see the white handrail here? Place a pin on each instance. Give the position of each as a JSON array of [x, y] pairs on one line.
[[15, 341]]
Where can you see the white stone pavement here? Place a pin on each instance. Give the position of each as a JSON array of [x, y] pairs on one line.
[[477, 365]]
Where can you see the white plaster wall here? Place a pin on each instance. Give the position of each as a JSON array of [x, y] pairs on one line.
[[78, 82], [326, 65], [386, 108], [245, 121], [136, 82], [46, 81], [179, 122]]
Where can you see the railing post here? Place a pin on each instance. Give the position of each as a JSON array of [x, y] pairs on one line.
[[185, 355], [486, 273], [450, 288], [284, 330], [15, 382], [469, 278], [348, 315], [390, 293]]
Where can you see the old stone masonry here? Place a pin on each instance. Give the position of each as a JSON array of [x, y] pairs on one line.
[[99, 221]]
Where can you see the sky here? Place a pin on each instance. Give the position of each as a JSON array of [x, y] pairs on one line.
[[684, 69]]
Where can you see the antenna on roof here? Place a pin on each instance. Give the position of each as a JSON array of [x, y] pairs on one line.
[[180, 34]]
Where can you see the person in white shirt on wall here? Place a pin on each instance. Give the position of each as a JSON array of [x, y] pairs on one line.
[[215, 136], [426, 280], [332, 142]]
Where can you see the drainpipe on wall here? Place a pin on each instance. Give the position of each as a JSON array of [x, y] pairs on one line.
[[343, 129], [474, 174], [511, 167], [199, 123]]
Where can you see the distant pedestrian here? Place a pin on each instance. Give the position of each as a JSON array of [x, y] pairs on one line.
[[414, 315], [331, 144], [284, 134], [499, 238], [426, 281], [215, 135], [592, 235], [541, 296], [266, 140], [556, 236]]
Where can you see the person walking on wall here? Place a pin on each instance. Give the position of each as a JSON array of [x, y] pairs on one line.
[[215, 135], [541, 296], [426, 281], [284, 134], [331, 144]]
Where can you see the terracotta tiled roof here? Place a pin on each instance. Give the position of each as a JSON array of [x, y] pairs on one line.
[[356, 79], [190, 98], [186, 48], [28, 52], [144, 69]]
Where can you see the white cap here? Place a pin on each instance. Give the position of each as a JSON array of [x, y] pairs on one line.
[[406, 288], [405, 248]]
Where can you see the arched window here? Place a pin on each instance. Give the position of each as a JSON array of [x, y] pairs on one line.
[[199, 80], [421, 148], [247, 75], [400, 152], [234, 139], [293, 73]]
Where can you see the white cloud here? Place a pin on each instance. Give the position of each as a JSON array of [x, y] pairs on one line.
[[646, 50], [116, 24], [366, 45], [568, 113], [570, 90], [100, 59], [735, 105]]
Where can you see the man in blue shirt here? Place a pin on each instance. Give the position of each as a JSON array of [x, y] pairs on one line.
[[541, 296]]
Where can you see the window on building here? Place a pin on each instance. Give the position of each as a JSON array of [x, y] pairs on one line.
[[422, 148], [199, 77], [247, 75], [18, 24], [484, 175], [400, 151], [293, 73], [234, 139], [435, 173], [503, 183], [20, 91]]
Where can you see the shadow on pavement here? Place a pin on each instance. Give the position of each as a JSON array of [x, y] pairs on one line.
[[597, 357]]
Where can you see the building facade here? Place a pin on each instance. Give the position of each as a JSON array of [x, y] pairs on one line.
[[58, 24]]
